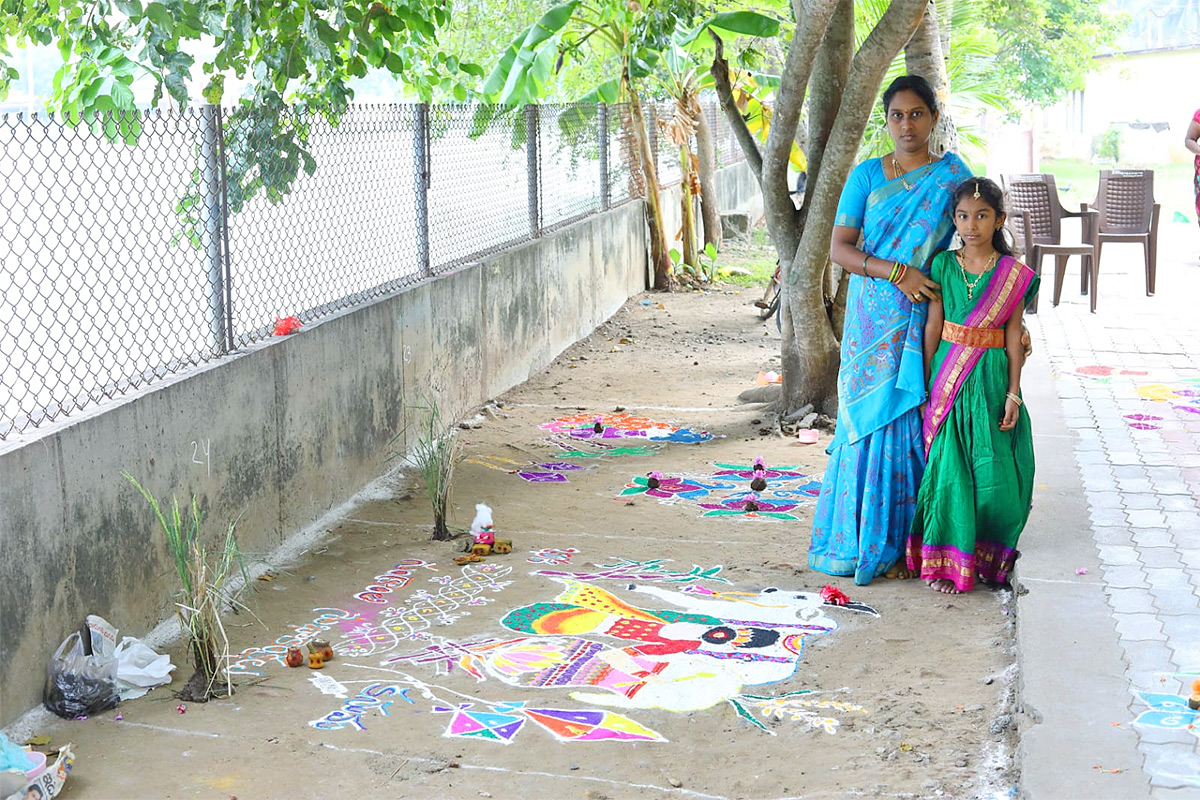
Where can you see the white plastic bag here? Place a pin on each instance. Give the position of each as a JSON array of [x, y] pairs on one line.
[[139, 668]]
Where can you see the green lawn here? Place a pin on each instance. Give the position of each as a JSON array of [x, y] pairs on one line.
[[761, 267], [1077, 181]]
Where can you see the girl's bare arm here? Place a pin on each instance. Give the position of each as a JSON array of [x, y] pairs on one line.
[[933, 333], [1016, 359], [1192, 140]]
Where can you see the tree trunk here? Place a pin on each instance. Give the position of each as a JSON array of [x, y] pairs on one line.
[[944, 25], [830, 73], [828, 82], [810, 350], [923, 56], [658, 240], [783, 223], [838, 317], [710, 208], [688, 229]]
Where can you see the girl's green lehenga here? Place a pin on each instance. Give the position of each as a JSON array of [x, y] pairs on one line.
[[975, 497]]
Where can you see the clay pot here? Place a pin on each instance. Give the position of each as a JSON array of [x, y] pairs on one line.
[[322, 646]]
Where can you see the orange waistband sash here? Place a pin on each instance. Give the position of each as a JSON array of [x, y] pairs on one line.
[[972, 337]]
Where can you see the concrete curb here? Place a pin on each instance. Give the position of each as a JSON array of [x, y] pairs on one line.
[[1072, 687]]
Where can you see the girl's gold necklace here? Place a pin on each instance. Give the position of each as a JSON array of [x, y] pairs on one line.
[[971, 284], [900, 175]]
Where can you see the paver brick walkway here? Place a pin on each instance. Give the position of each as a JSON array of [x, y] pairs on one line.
[[1129, 382]]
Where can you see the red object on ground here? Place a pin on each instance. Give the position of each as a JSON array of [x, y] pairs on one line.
[[834, 595], [286, 325]]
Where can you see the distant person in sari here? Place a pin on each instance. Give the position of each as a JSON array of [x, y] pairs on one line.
[[975, 496], [900, 206], [1192, 142]]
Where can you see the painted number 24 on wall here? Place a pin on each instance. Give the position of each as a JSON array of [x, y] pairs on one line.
[[201, 453]]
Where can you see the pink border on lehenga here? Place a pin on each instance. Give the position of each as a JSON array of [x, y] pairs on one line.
[[991, 561]]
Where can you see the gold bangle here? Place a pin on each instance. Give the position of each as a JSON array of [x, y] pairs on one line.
[[866, 258], [1015, 398]]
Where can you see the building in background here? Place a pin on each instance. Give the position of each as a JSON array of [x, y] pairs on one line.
[[1137, 103]]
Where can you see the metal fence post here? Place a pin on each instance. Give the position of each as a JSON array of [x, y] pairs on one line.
[[229, 342], [421, 175], [210, 157], [531, 161], [602, 119]]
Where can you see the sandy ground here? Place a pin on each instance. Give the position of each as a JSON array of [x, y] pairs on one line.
[[919, 694]]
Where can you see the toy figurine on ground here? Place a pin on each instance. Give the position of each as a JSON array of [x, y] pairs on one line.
[[481, 530], [758, 483], [483, 539], [654, 480]]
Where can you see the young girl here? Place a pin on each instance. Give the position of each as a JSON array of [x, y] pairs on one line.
[[975, 496]]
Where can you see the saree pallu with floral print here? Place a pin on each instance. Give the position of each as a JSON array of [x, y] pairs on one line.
[[869, 489], [975, 494]]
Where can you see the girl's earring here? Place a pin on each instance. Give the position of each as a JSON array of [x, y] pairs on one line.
[[956, 241]]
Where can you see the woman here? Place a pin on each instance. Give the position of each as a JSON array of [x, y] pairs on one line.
[[900, 204], [1192, 142]]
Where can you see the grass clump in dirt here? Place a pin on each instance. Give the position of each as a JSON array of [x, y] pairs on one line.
[[205, 588], [436, 454]]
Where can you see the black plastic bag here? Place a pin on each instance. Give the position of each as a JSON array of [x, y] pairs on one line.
[[78, 684]]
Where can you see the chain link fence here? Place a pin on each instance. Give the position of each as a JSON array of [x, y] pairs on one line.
[[139, 244], [725, 143]]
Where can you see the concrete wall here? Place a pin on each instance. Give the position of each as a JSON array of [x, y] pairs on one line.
[[278, 434], [737, 190]]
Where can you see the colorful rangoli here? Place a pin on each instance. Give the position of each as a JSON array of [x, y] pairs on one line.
[[683, 651], [606, 427], [784, 489]]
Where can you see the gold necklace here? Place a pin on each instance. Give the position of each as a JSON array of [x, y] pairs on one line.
[[962, 265], [900, 175]]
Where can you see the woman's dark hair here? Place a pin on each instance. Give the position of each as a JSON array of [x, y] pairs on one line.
[[913, 83], [993, 195]]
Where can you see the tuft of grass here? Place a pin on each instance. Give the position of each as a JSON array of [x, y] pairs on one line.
[[205, 589], [436, 454]]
